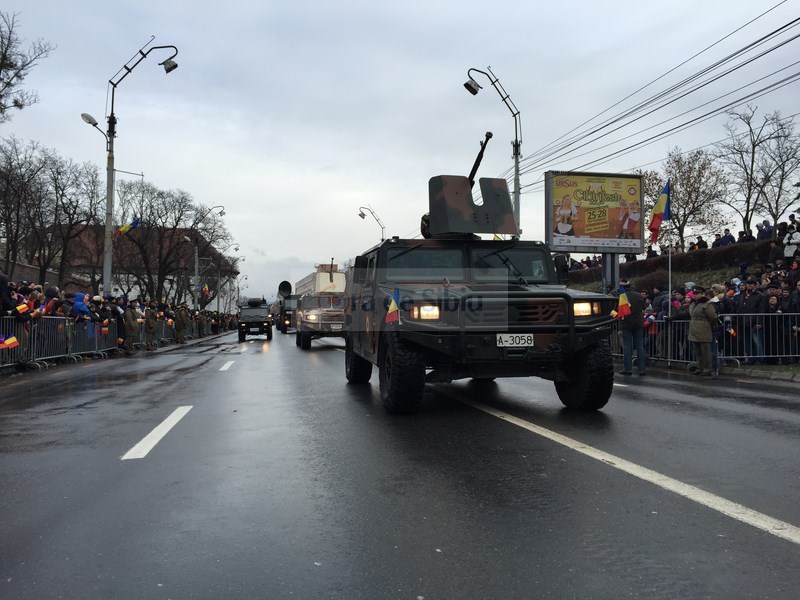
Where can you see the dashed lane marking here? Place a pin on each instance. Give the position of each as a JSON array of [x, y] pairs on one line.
[[149, 441], [737, 511], [226, 366]]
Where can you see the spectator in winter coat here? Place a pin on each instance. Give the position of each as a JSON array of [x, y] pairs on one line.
[[632, 328], [702, 325], [791, 243]]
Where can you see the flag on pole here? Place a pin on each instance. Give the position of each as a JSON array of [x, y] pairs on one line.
[[126, 228], [393, 312], [661, 212], [624, 306], [205, 290]]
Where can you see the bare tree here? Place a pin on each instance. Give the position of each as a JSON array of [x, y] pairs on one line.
[[20, 166], [697, 185], [748, 161], [783, 152], [16, 64]]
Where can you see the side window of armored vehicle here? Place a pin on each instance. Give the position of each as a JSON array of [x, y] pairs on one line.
[[425, 264]]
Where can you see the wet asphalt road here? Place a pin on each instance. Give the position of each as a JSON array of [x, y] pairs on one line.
[[282, 481]]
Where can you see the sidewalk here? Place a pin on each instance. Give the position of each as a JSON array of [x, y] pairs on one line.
[[784, 373]]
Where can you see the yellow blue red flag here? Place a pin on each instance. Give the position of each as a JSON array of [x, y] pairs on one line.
[[661, 212]]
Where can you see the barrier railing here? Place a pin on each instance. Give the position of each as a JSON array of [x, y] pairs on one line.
[[740, 338], [50, 338]]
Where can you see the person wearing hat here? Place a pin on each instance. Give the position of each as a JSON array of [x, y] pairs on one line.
[[632, 328], [703, 323]]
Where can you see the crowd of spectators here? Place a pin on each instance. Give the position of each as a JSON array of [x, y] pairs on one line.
[[759, 314], [135, 318]]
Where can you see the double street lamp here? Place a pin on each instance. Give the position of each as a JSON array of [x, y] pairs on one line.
[[169, 65], [473, 87]]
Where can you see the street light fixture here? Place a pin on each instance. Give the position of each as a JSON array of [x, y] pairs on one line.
[[169, 66], [473, 87], [361, 214]]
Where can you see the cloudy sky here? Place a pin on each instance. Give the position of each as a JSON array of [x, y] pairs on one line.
[[292, 115]]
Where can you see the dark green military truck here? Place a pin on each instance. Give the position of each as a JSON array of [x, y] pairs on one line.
[[454, 306]]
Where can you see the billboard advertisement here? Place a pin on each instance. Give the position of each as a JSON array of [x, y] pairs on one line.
[[594, 212]]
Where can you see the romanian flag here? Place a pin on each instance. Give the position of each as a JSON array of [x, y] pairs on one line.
[[126, 228], [393, 312], [205, 290], [729, 329], [624, 307], [10, 343], [661, 212], [22, 308]]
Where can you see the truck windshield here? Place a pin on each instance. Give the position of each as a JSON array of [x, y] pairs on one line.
[[425, 264], [513, 263], [323, 302]]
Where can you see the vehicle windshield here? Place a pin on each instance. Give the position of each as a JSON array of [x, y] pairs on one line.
[[526, 265], [425, 264], [333, 301]]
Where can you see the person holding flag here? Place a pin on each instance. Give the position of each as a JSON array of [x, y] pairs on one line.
[[661, 212], [630, 312]]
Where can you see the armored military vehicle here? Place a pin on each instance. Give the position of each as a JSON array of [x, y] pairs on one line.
[[255, 318], [287, 307], [454, 306]]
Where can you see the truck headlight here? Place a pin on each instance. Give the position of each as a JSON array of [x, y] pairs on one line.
[[586, 309], [425, 312], [312, 316]]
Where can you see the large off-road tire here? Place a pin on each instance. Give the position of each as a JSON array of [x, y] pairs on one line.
[[269, 333], [356, 369], [297, 338], [590, 378], [401, 370], [242, 336], [305, 340]]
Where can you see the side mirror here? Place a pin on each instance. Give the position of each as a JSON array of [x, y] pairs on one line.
[[562, 268], [360, 269]]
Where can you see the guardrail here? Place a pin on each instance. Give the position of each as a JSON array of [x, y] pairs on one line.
[[741, 338], [52, 338]]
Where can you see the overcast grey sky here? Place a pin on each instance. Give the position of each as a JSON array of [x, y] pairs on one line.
[[292, 115]]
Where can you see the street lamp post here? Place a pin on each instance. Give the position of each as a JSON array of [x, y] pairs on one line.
[[196, 278], [361, 214], [169, 66], [473, 87]]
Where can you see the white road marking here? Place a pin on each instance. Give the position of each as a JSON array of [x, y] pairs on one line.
[[226, 366], [149, 441], [341, 350], [620, 384], [778, 528]]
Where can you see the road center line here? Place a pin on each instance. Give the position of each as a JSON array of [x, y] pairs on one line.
[[778, 528], [226, 366], [149, 441]]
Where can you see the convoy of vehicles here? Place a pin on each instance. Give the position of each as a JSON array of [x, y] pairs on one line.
[[255, 318], [320, 305], [452, 306]]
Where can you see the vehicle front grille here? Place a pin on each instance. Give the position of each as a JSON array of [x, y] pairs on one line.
[[513, 311]]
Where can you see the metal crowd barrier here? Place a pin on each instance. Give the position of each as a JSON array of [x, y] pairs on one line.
[[741, 338]]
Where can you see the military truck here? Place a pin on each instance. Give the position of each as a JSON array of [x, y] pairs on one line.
[[453, 306], [320, 305], [287, 307], [255, 318]]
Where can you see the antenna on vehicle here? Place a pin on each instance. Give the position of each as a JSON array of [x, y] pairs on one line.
[[330, 272]]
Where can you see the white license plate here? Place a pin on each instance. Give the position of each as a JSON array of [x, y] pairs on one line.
[[514, 340], [336, 326], [254, 329]]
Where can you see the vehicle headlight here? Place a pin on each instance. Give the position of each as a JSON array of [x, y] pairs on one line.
[[311, 316], [586, 309], [425, 312]]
